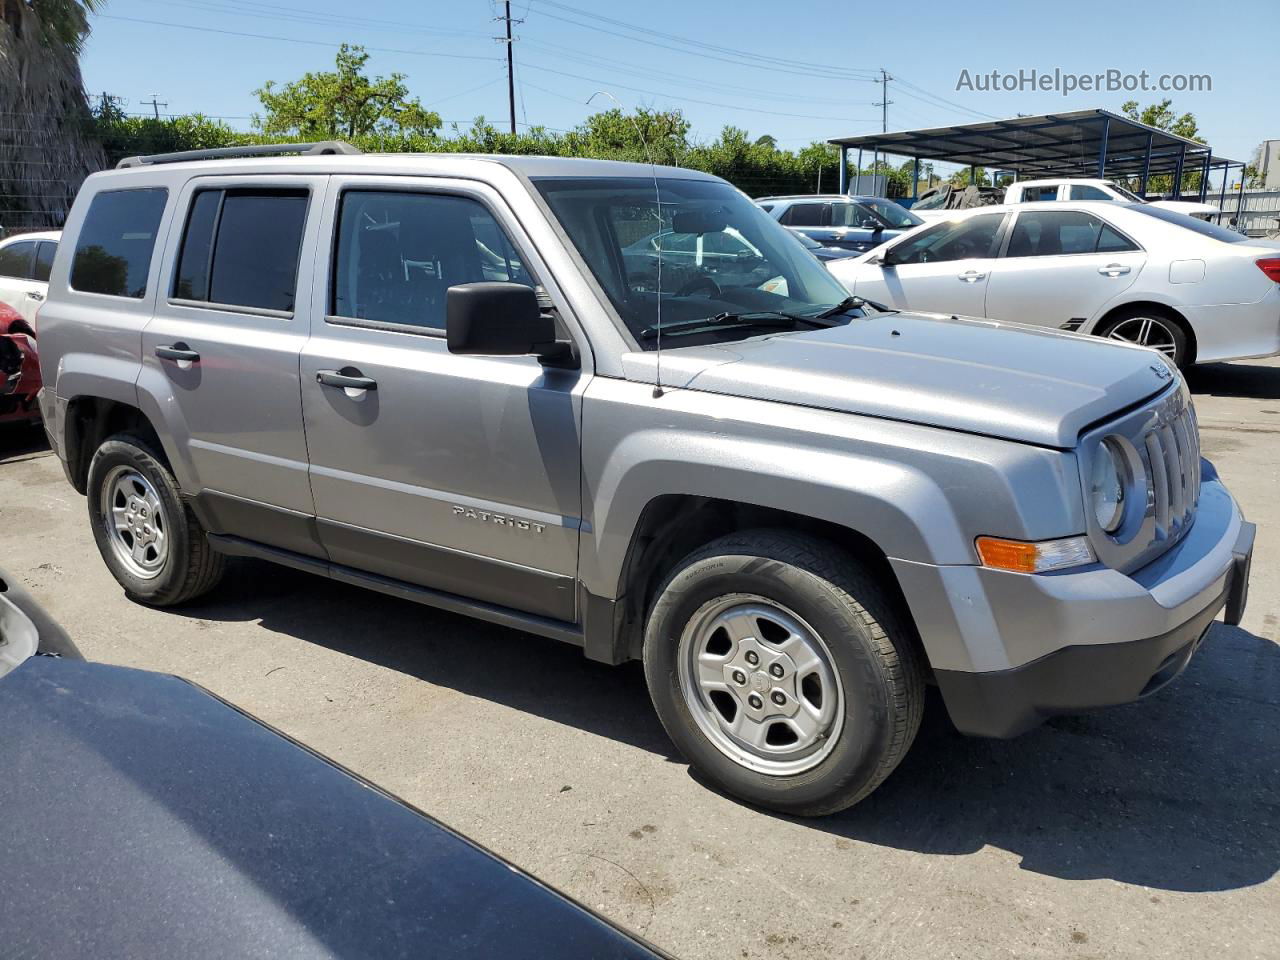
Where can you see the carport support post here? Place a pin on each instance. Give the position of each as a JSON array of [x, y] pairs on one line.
[[1222, 197], [915, 179], [1204, 177], [1146, 168], [857, 173], [844, 169], [1240, 202], [1102, 148], [973, 173], [1177, 173]]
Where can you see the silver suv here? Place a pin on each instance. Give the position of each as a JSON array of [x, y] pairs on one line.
[[453, 380]]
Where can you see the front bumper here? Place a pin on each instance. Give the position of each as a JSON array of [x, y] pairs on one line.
[[1009, 650]]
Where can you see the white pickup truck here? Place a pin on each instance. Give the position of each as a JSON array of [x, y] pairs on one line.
[[936, 204]]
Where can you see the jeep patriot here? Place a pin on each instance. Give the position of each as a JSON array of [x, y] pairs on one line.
[[538, 391]]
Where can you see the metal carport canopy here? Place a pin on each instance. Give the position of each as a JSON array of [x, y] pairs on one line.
[[1080, 143]]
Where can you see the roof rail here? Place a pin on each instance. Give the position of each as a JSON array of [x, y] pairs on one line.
[[261, 150]]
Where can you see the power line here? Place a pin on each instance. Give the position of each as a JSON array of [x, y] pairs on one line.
[[810, 73], [685, 99], [703, 45], [314, 43]]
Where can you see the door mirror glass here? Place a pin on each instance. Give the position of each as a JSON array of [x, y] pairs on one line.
[[497, 319]]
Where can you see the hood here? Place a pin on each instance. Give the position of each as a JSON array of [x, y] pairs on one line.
[[980, 376]]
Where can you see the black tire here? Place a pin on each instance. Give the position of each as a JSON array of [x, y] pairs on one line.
[[192, 566], [868, 638], [1168, 325]]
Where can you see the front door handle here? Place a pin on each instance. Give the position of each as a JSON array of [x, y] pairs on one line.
[[178, 351], [33, 295], [971, 276], [347, 381], [1113, 270]]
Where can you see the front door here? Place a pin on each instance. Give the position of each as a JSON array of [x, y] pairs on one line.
[[460, 474], [220, 354], [940, 269], [1060, 266]]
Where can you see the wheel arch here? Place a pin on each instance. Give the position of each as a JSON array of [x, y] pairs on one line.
[[671, 526], [90, 420], [1164, 309]]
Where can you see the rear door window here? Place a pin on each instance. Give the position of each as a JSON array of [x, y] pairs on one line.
[[1051, 233], [116, 241], [241, 248], [44, 261], [15, 259], [804, 215]]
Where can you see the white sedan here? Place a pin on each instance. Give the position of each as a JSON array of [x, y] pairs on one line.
[[1195, 291], [25, 260]]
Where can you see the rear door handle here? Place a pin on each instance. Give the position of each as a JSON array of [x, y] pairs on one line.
[[971, 276], [1113, 270], [347, 381], [32, 295], [178, 351]]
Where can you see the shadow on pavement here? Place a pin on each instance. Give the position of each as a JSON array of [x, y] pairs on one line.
[[18, 441], [1240, 379], [1175, 793], [533, 674]]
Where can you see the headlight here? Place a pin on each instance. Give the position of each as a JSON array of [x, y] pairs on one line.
[[1106, 487]]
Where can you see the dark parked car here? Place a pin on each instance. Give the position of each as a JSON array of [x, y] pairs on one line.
[[145, 817], [854, 223], [825, 254]]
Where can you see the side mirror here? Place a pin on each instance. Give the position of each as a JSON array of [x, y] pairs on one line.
[[500, 320], [886, 258]]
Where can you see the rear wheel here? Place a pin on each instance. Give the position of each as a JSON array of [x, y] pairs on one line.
[[1149, 327], [782, 670], [151, 541]]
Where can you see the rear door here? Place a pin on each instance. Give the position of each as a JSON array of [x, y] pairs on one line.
[[942, 269], [1059, 267], [456, 473], [221, 351]]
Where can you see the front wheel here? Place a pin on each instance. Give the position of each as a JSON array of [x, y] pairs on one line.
[[781, 668]]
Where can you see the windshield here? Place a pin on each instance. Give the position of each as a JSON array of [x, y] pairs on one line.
[[1202, 227], [708, 253], [899, 218]]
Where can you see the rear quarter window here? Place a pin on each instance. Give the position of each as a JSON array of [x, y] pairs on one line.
[[116, 241]]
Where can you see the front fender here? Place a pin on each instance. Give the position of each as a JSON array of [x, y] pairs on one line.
[[919, 493]]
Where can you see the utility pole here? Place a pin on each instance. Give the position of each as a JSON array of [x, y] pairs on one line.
[[511, 70], [155, 103], [883, 104]]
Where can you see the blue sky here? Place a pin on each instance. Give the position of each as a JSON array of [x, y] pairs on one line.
[[799, 80]]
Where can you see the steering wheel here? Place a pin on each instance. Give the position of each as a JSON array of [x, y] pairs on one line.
[[701, 284]]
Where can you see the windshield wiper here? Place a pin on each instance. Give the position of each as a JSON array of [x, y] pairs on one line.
[[767, 319], [854, 303]]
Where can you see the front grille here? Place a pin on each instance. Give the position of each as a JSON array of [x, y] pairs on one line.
[[1172, 446], [1160, 442]]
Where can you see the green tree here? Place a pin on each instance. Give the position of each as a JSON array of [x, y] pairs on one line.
[[961, 178], [1163, 117], [344, 103]]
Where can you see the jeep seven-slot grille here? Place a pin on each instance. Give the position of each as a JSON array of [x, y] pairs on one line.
[[1173, 469]]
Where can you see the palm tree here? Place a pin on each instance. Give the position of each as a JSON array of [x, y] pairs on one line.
[[46, 137]]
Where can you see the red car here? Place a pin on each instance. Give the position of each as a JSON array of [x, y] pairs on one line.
[[19, 369]]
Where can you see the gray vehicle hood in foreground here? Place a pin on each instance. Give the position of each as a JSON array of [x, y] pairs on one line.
[[981, 376]]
